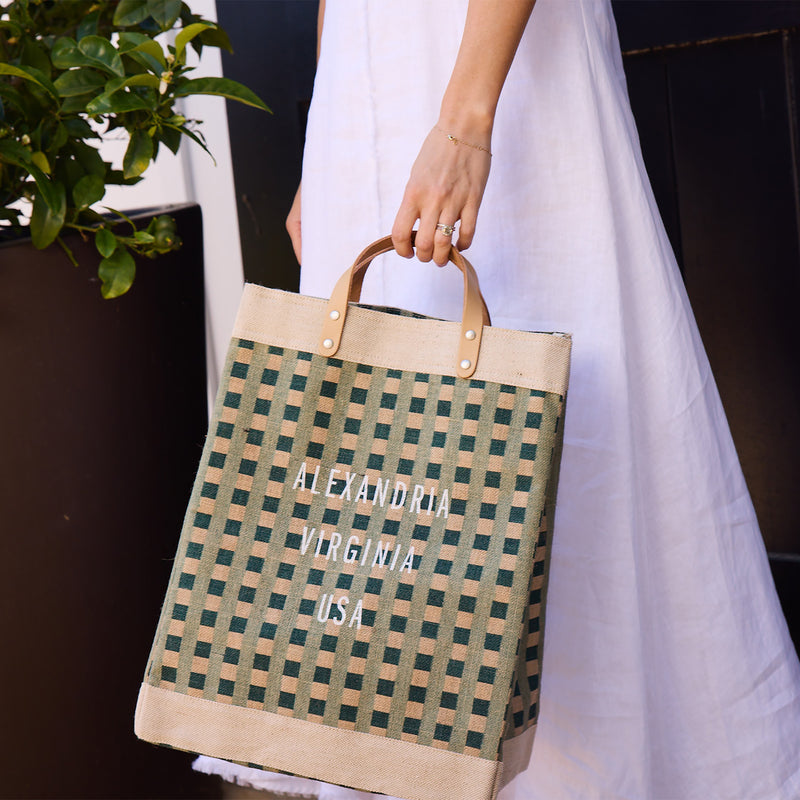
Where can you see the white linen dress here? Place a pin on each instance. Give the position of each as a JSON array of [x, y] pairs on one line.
[[668, 670]]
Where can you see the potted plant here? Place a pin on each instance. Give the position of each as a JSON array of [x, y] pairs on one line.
[[71, 72], [104, 403]]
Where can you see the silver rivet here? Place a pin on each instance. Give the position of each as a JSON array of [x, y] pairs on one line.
[[469, 335], [327, 344], [334, 314], [466, 364]]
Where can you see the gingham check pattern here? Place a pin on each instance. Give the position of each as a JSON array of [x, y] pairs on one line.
[[447, 651]]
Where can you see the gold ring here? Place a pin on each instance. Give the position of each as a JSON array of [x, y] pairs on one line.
[[447, 230]]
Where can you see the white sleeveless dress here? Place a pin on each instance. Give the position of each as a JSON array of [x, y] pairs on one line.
[[668, 670]]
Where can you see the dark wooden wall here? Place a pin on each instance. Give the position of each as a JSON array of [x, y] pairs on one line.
[[275, 55], [103, 409]]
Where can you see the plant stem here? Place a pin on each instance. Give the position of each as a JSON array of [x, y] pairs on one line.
[[68, 252]]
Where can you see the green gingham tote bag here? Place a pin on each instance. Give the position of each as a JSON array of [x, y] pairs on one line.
[[358, 592]]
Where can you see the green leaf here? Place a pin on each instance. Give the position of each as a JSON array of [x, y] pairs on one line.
[[122, 216], [112, 84], [46, 222], [43, 80], [12, 98], [89, 158], [224, 87], [79, 128], [68, 171], [128, 40], [118, 103], [138, 155], [116, 178], [58, 138], [185, 36], [49, 191], [154, 51], [144, 51], [34, 56], [88, 26], [75, 105], [143, 237], [105, 242], [195, 137], [92, 217], [134, 66], [116, 84], [151, 81], [216, 37], [13, 29], [78, 81], [117, 272], [14, 152], [114, 101], [131, 12], [10, 214], [30, 74], [65, 54], [165, 12], [88, 190], [146, 61], [40, 159], [101, 53], [171, 138]]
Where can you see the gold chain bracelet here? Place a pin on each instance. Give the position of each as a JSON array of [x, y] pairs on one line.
[[455, 140]]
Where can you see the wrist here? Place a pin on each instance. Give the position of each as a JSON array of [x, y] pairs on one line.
[[473, 123], [458, 140]]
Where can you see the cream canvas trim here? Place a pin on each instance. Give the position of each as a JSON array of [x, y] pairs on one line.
[[531, 360], [517, 755], [349, 758]]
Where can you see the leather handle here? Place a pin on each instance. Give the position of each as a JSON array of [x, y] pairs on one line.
[[348, 290]]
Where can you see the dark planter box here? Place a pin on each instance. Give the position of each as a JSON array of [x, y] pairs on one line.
[[103, 410]]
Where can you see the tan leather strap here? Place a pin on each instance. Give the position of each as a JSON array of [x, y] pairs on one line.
[[348, 290]]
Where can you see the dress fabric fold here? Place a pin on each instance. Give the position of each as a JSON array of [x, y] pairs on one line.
[[668, 669]]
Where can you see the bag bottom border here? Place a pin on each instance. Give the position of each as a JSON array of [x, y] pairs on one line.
[[349, 758]]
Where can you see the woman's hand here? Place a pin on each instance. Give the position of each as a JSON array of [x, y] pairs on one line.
[[446, 186], [293, 224], [450, 173]]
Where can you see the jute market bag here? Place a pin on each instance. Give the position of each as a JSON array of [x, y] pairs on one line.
[[358, 591]]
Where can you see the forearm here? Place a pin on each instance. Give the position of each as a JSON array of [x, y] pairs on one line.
[[320, 22], [293, 221], [492, 33]]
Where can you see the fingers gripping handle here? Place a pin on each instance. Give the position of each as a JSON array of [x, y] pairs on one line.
[[348, 290]]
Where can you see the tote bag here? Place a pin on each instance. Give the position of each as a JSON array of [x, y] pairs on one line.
[[358, 592]]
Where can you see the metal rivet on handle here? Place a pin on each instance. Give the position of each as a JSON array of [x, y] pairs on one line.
[[465, 364], [328, 344], [469, 335], [334, 314]]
